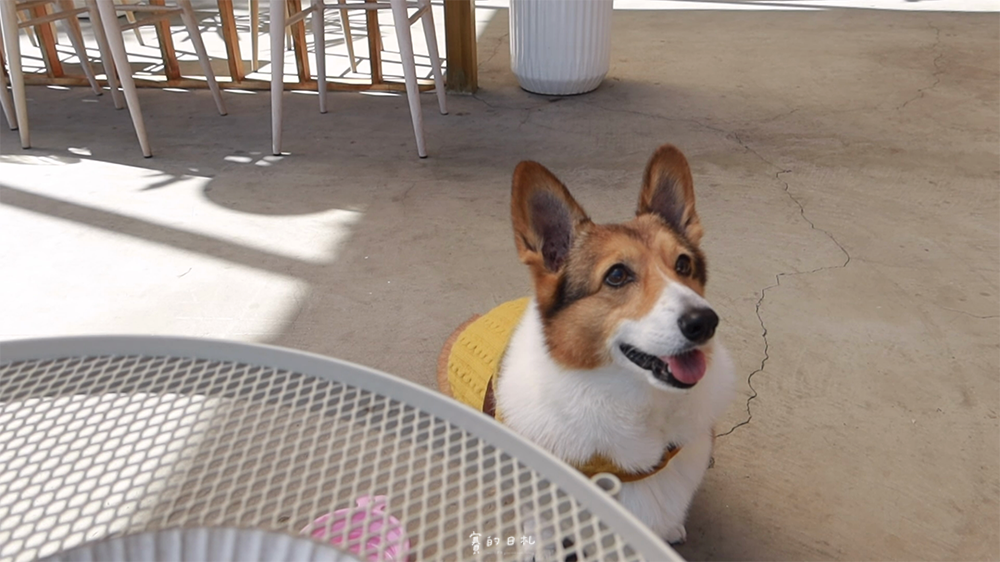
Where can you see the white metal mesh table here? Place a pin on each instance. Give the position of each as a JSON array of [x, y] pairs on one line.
[[109, 436]]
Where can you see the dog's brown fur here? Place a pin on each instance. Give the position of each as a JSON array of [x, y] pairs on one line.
[[578, 310], [666, 226]]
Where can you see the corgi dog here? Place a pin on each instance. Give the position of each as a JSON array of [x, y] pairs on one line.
[[614, 364]]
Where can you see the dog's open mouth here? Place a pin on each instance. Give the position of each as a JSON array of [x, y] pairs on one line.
[[683, 370]]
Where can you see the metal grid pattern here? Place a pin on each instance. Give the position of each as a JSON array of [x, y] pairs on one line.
[[93, 447], [214, 544]]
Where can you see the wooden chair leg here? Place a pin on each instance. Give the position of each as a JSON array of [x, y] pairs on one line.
[[130, 17], [402, 24], [319, 38], [231, 37], [8, 21], [109, 18], [289, 42], [277, 34], [23, 15], [107, 58], [345, 23], [170, 65], [47, 41], [254, 34], [374, 45], [5, 100], [187, 15], [432, 48], [76, 38], [299, 42]]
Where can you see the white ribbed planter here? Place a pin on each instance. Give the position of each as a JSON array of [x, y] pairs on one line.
[[560, 47]]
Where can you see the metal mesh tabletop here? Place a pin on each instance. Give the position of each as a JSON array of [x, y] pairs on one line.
[[104, 437]]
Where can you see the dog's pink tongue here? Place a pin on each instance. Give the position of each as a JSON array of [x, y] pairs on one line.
[[687, 367]]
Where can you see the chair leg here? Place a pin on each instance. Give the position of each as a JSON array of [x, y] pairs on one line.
[[187, 14], [130, 17], [345, 23], [8, 21], [402, 23], [277, 33], [24, 15], [288, 37], [432, 48], [76, 38], [5, 100], [109, 18], [319, 37], [107, 59], [254, 34]]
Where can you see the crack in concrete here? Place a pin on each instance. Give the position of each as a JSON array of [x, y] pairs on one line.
[[401, 199], [496, 49], [527, 110], [527, 116], [937, 69], [969, 313], [488, 104], [499, 106], [781, 115], [507, 107], [777, 281]]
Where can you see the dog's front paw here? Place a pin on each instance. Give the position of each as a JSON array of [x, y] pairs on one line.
[[676, 536]]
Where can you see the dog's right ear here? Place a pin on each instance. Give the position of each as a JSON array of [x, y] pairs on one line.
[[545, 217]]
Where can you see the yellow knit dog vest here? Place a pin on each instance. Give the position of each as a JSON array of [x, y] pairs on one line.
[[475, 357]]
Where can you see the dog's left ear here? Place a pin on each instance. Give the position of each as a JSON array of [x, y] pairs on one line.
[[668, 192]]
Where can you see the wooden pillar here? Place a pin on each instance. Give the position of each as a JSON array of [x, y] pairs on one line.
[[460, 43], [374, 45]]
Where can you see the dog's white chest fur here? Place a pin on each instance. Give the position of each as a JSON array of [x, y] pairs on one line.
[[619, 414]]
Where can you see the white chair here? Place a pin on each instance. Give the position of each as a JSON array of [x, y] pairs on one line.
[[11, 24], [108, 32], [153, 13], [402, 22], [130, 16], [254, 8]]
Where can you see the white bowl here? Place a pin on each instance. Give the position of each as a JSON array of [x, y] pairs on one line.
[[201, 544]]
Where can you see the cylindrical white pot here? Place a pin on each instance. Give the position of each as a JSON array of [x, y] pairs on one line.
[[560, 47]]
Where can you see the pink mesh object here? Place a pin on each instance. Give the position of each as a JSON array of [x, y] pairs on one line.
[[369, 513]]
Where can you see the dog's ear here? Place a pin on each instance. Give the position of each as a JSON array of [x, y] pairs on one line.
[[668, 192], [545, 217]]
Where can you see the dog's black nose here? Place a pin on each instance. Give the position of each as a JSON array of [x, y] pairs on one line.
[[698, 325]]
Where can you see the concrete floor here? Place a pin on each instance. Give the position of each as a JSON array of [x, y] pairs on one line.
[[846, 166]]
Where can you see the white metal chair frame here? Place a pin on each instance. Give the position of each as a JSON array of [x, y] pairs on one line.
[[402, 22]]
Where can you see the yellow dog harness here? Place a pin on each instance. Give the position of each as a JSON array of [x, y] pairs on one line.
[[474, 365]]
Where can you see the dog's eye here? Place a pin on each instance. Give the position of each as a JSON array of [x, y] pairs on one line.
[[683, 265], [617, 276]]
